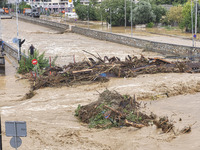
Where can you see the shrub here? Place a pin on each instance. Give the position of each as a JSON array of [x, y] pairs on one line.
[[25, 64], [150, 25]]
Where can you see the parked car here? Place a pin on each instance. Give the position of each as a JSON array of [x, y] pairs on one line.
[[71, 15], [35, 13]]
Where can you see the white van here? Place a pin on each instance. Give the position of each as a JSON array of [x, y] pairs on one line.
[[71, 15]]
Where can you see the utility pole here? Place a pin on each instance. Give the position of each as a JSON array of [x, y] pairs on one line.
[[192, 25], [131, 18], [32, 9], [88, 15], [110, 21], [125, 13], [17, 2], [196, 23]]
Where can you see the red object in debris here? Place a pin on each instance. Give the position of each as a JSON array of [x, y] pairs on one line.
[[34, 62]]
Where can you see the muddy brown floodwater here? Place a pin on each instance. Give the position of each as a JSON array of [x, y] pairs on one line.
[[51, 124]]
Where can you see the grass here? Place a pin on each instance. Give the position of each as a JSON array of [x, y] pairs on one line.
[[77, 110]]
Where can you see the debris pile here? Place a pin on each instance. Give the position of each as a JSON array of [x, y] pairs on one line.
[[115, 110], [100, 70]]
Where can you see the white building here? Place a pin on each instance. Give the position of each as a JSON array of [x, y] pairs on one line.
[[52, 5]]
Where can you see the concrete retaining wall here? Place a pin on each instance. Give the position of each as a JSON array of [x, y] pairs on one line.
[[165, 48], [13, 52], [54, 25]]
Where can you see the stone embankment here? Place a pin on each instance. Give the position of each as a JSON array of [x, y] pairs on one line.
[[165, 48]]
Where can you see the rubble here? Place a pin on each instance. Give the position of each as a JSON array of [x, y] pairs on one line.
[[115, 110], [100, 69]]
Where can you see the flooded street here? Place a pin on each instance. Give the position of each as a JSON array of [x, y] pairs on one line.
[[66, 45], [11, 88], [51, 124]]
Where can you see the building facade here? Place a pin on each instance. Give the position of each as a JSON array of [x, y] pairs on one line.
[[53, 5]]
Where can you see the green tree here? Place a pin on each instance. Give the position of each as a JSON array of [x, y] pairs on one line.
[[23, 5], [170, 2], [82, 11], [143, 13], [94, 2], [115, 10], [159, 11], [3, 3], [175, 15], [76, 3], [186, 20]]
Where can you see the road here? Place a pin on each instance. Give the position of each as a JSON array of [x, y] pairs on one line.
[[64, 45]]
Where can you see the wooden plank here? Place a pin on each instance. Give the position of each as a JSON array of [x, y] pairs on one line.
[[82, 71]]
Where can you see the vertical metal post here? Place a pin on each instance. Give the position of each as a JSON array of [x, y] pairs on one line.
[[17, 1], [15, 129], [195, 23], [125, 13], [88, 15], [0, 136], [192, 25], [32, 9], [131, 18], [110, 21]]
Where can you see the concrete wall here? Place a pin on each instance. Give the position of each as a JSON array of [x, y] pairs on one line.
[[13, 52], [165, 48], [54, 25]]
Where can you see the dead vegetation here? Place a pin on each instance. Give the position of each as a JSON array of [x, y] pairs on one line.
[[99, 69], [115, 110]]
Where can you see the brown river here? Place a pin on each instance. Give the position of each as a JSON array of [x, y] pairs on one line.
[[51, 124]]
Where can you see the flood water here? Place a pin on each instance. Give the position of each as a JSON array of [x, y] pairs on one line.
[[51, 124], [11, 87]]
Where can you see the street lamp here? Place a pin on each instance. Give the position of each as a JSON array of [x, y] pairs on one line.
[[192, 25], [88, 15], [17, 2], [109, 10], [125, 13], [131, 18]]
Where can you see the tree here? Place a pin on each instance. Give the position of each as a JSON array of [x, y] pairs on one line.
[[94, 2], [76, 3], [143, 13], [159, 11], [81, 11], [115, 10], [186, 20], [170, 2], [23, 5], [3, 3], [175, 15]]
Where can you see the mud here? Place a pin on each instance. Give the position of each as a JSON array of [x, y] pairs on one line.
[[11, 87], [51, 124]]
